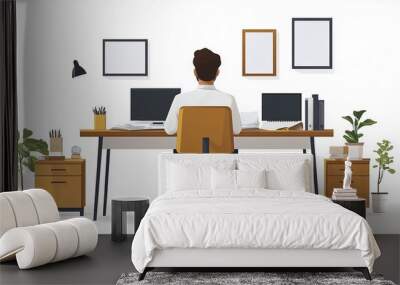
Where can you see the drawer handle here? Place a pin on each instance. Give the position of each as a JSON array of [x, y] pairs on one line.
[[58, 169], [58, 182]]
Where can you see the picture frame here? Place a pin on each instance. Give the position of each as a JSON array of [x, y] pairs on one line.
[[125, 57], [259, 52], [312, 43]]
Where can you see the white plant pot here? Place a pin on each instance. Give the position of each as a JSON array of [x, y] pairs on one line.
[[355, 150], [379, 201]]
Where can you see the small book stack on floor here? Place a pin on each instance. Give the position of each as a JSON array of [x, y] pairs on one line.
[[344, 194]]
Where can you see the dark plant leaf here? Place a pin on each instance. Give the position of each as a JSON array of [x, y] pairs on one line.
[[26, 133], [352, 135], [367, 122], [22, 151], [358, 114], [30, 163], [349, 119], [349, 139], [37, 145]]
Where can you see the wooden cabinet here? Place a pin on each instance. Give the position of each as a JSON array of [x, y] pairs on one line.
[[334, 174], [64, 180]]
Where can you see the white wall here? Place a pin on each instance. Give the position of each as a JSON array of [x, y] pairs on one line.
[[54, 32]]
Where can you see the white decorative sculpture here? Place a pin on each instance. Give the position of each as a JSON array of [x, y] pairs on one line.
[[347, 175]]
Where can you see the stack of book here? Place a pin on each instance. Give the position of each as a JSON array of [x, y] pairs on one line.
[[344, 194]]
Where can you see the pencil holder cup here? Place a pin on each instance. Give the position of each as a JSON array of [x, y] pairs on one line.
[[99, 122], [56, 146]]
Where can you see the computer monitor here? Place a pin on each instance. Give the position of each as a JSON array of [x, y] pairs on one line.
[[281, 107], [151, 104]]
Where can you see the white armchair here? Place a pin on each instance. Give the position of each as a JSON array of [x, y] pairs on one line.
[[31, 232]]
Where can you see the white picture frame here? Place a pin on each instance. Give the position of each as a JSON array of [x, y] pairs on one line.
[[312, 43], [125, 57], [259, 52]]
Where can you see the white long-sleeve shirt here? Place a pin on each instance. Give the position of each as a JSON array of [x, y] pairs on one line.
[[204, 95]]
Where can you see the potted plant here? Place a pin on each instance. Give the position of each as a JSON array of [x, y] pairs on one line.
[[26, 149], [352, 137], [383, 162]]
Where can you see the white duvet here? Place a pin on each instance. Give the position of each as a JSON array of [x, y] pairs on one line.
[[250, 219]]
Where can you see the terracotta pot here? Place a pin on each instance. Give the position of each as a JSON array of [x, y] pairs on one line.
[[379, 201]]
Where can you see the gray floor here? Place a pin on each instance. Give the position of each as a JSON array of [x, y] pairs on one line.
[[110, 260]]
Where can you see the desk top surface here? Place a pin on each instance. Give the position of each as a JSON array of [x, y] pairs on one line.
[[244, 133]]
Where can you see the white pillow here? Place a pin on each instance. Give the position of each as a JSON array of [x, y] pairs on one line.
[[223, 179], [251, 178], [187, 177], [237, 179], [186, 174], [282, 174]]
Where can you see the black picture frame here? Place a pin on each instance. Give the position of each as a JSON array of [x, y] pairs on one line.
[[330, 65], [126, 74]]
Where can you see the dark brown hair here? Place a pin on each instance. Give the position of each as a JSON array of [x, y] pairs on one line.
[[206, 63]]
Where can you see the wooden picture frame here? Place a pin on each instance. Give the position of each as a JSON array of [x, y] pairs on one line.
[[312, 43], [125, 57], [259, 52]]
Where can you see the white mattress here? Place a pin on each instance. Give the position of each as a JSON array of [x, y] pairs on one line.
[[251, 219]]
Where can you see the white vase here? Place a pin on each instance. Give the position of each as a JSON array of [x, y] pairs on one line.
[[379, 201], [355, 150]]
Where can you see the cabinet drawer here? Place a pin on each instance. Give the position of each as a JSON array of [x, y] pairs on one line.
[[66, 190], [58, 169], [338, 169]]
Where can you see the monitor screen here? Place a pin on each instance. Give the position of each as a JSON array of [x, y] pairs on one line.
[[151, 104], [281, 107]]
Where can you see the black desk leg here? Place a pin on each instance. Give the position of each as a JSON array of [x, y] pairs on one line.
[[312, 143], [96, 193], [106, 182]]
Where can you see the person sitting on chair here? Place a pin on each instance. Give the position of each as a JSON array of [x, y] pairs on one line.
[[206, 70]]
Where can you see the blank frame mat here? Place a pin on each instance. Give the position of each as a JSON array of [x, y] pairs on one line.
[[259, 52], [125, 57], [312, 43]]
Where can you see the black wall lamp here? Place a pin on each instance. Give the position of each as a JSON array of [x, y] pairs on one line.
[[77, 70]]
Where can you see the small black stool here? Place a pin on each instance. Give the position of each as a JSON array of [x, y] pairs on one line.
[[118, 215], [358, 206]]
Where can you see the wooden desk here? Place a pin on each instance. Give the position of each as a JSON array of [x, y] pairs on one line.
[[244, 133], [158, 139]]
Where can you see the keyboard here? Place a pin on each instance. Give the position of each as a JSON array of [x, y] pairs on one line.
[[139, 126], [275, 125]]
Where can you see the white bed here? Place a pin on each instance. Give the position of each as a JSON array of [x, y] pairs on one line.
[[226, 218]]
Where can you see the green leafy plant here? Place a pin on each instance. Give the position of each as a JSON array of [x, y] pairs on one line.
[[27, 147], [383, 160], [353, 136]]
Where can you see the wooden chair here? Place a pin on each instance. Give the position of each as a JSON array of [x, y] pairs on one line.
[[205, 130]]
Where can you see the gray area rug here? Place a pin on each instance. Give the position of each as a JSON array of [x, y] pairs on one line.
[[229, 278]]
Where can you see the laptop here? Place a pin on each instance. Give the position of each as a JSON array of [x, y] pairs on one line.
[[280, 110]]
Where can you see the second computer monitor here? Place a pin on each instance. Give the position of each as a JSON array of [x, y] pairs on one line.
[[151, 104], [281, 107]]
